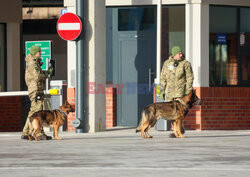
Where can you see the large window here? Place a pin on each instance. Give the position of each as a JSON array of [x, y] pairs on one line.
[[173, 29], [133, 19], [229, 49], [245, 46], [2, 57]]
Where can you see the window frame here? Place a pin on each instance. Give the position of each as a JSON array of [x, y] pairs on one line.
[[239, 59], [4, 86]]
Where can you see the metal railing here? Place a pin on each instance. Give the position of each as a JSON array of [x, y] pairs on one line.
[[25, 93], [16, 93]]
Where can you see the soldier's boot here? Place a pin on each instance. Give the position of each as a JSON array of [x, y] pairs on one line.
[[25, 130], [40, 137], [172, 135], [25, 137], [44, 137]]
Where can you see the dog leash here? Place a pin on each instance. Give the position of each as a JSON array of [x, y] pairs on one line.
[[62, 112], [46, 101], [186, 106]]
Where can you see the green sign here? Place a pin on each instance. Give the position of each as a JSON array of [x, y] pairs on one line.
[[45, 49]]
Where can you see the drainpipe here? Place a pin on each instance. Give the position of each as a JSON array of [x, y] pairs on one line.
[[78, 122], [158, 43]]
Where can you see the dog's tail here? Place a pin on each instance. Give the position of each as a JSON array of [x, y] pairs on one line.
[[143, 118]]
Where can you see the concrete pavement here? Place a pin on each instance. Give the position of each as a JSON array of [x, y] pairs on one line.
[[124, 153]]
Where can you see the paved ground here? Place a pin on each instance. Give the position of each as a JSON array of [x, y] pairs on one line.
[[124, 153]]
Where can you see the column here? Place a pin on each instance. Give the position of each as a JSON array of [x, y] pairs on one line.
[[197, 42], [95, 55], [13, 56]]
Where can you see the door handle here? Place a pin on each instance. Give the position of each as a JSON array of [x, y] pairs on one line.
[[149, 79]]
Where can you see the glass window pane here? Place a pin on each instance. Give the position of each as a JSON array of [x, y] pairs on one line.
[[147, 20], [245, 44], [136, 19], [173, 29], [2, 57], [245, 20], [126, 20], [223, 63], [223, 19]]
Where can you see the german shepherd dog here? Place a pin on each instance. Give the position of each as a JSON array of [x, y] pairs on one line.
[[175, 111], [53, 118]]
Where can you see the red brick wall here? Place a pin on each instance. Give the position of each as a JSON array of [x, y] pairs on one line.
[[111, 112], [10, 114], [224, 108], [71, 99], [11, 110], [111, 109]]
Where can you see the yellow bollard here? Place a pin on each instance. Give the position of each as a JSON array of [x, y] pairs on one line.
[[158, 89], [54, 91]]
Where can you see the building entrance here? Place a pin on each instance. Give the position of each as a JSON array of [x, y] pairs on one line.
[[131, 43]]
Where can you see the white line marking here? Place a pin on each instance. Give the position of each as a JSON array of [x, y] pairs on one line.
[[123, 168], [69, 26]]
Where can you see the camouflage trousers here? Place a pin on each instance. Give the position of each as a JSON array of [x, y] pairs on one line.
[[35, 106], [175, 99]]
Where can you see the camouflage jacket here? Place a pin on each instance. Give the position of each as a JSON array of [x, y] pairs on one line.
[[176, 81], [34, 77]]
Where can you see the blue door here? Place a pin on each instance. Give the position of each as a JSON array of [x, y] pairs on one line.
[[133, 43]]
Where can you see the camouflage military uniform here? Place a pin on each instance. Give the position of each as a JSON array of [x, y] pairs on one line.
[[34, 79], [176, 80]]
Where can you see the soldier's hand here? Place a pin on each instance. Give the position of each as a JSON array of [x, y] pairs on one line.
[[49, 72], [162, 95]]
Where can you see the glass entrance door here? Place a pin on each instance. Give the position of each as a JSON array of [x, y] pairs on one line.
[[131, 59]]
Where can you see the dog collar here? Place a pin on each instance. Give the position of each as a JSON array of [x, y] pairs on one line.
[[186, 106], [62, 112]]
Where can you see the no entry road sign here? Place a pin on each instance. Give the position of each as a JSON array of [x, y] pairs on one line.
[[69, 26]]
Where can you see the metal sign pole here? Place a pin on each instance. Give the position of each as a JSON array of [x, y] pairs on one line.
[[79, 74], [47, 80]]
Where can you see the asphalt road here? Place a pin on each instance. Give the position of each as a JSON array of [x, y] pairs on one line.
[[124, 153]]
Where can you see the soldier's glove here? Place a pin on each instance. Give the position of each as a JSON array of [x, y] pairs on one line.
[[49, 72], [187, 92], [162, 95]]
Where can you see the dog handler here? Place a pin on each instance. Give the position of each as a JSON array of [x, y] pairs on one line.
[[35, 79], [176, 78]]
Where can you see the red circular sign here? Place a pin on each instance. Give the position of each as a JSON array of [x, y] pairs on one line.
[[69, 26]]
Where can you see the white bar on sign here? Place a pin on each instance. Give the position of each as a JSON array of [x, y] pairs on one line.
[[69, 26]]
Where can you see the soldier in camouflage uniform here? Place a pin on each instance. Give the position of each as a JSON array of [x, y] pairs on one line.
[[176, 77], [35, 79]]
